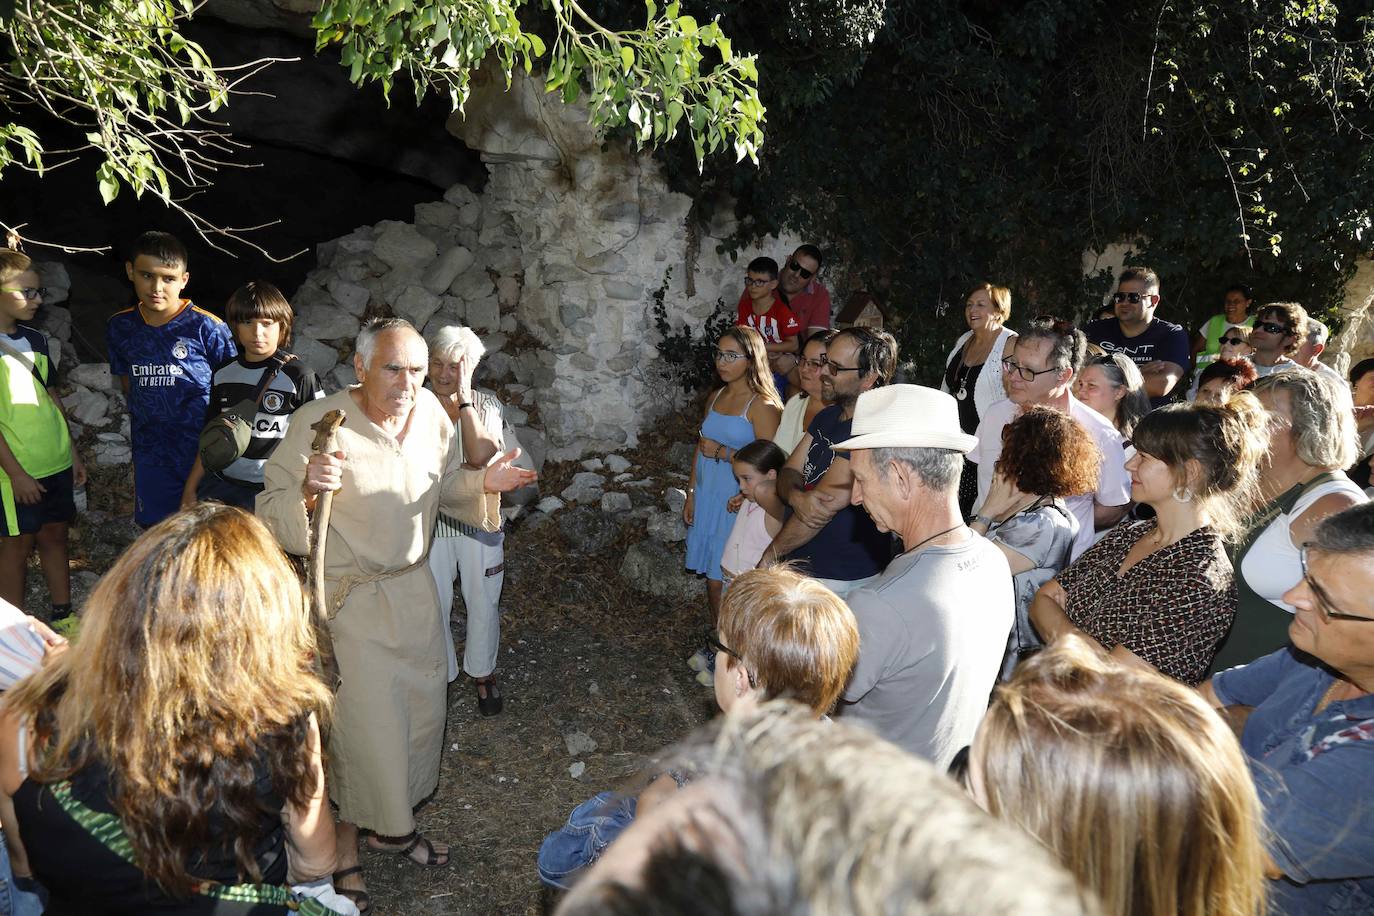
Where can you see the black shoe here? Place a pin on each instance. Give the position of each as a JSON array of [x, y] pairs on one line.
[[489, 702]]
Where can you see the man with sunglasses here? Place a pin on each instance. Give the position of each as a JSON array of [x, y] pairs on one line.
[[1305, 717], [803, 291], [1158, 347], [1039, 372], [1279, 327]]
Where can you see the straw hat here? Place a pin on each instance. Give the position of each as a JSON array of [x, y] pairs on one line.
[[907, 416]]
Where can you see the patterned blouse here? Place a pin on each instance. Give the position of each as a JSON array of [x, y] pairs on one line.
[[1172, 608]]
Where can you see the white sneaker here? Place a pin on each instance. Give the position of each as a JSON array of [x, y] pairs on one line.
[[699, 661], [706, 678]]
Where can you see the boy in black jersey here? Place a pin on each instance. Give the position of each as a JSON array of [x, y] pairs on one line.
[[261, 320]]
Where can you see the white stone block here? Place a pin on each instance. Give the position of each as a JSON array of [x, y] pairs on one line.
[[351, 297], [416, 305], [95, 376], [446, 268], [319, 357], [484, 314], [402, 245], [326, 322]]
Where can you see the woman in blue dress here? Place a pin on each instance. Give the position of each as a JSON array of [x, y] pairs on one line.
[[746, 408]]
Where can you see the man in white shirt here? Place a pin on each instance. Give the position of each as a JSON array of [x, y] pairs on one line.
[[1039, 371], [1312, 346]]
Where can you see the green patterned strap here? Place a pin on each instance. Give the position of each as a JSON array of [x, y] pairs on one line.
[[109, 832]]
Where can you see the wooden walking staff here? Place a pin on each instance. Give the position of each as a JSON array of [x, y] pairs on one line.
[[326, 441]]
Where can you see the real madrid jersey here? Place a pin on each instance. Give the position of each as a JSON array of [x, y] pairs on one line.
[[237, 381], [169, 369]]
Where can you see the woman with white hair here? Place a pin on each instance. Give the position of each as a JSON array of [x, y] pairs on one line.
[[476, 556]]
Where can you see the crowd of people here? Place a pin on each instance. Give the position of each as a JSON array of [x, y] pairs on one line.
[[1082, 631]]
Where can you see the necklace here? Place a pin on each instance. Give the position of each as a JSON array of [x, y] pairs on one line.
[[934, 536], [961, 375]]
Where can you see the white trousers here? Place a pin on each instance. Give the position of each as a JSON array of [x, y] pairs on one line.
[[479, 562]]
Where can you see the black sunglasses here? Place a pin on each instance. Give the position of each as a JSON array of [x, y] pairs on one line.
[[1132, 298], [1273, 328], [800, 271], [1232, 340], [715, 645]]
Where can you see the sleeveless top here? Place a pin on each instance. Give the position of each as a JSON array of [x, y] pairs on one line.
[[80, 852], [1265, 559]]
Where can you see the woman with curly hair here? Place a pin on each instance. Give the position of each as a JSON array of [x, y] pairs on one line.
[[170, 760], [1161, 593], [1046, 457], [1219, 380]]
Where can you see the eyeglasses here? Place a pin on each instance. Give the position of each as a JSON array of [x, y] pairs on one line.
[[836, 369], [714, 643], [1237, 341], [817, 364], [800, 271], [1272, 328], [755, 281], [1323, 600], [1027, 374], [1132, 298], [28, 292], [729, 356]]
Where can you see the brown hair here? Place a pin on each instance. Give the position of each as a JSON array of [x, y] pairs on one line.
[[1236, 374], [260, 299], [796, 636], [1140, 789], [1000, 296], [1142, 275], [12, 264], [1222, 442], [759, 376], [194, 662], [1293, 315], [1048, 453]]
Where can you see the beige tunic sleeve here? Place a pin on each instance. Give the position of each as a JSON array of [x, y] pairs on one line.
[[462, 497], [281, 504]]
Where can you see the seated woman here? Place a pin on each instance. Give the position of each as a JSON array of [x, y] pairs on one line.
[[170, 760], [782, 634], [1046, 456], [1235, 347], [1112, 385], [1161, 593], [1306, 720], [1312, 441], [1218, 381], [1138, 788]]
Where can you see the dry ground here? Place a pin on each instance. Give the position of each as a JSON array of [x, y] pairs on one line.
[[580, 652]]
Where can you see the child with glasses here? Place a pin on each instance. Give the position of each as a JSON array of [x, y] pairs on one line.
[[745, 408], [762, 309], [39, 464]]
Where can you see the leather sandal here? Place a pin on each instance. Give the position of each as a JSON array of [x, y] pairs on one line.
[[409, 843], [489, 701], [361, 899]]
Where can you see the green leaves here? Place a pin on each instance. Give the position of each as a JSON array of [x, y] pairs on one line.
[[645, 78]]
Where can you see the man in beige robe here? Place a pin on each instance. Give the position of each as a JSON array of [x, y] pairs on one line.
[[395, 466]]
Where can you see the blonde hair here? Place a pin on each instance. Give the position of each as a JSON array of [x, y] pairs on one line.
[[758, 375], [1140, 789], [1322, 416], [1000, 296], [13, 263], [796, 636], [194, 662]]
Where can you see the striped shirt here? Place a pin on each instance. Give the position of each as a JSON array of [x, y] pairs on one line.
[[237, 381], [488, 408]]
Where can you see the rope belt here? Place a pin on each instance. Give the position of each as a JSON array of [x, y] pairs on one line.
[[346, 584]]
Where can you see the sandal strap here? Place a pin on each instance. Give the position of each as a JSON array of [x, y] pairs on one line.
[[346, 872]]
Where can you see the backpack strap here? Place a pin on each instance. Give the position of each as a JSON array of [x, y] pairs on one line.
[[25, 360]]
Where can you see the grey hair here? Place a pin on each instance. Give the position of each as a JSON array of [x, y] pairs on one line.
[[1323, 415], [1348, 531], [1122, 372], [797, 815], [1067, 347], [938, 469], [367, 337], [1317, 331], [453, 341]]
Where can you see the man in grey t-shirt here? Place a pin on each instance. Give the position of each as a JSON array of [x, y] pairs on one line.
[[934, 625]]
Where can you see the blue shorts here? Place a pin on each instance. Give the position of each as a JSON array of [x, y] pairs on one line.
[[157, 492], [56, 505]]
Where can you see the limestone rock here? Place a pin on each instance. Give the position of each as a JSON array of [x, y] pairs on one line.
[[617, 464], [446, 269], [484, 314], [550, 504], [592, 464], [675, 499], [651, 567], [55, 321], [342, 376], [615, 503], [95, 376], [666, 527], [87, 406], [319, 357], [533, 443], [402, 245], [326, 322], [579, 743], [416, 305], [682, 454], [585, 487], [350, 297], [586, 529]]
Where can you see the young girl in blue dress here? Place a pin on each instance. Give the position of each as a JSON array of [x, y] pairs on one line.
[[745, 408]]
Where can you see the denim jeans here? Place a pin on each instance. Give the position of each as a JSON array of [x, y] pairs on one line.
[[14, 900], [591, 827]]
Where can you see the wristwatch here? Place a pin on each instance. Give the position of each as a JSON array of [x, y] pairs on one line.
[[982, 518]]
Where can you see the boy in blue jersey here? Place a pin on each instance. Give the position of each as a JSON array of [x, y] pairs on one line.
[[163, 352]]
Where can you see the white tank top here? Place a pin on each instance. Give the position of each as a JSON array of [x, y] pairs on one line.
[[1272, 566]]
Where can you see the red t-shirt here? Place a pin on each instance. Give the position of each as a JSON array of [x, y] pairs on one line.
[[775, 325], [811, 306]]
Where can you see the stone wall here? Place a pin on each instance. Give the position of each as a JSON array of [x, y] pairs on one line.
[[554, 264]]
